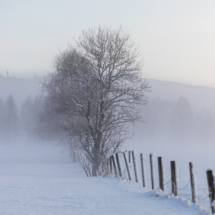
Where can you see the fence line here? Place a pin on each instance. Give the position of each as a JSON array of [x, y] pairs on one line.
[[171, 188]]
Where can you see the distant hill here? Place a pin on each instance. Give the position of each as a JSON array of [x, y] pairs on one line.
[[198, 96]]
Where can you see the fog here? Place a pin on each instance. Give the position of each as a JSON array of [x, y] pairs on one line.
[[19, 88], [179, 124]]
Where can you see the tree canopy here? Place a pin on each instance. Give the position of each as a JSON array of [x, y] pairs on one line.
[[97, 83]]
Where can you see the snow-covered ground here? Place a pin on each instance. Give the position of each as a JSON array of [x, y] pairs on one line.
[[42, 180]]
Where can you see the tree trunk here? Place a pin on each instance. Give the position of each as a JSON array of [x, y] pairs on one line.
[[97, 155], [96, 160], [95, 167]]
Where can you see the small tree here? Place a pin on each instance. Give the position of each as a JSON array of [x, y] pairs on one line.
[[98, 84]]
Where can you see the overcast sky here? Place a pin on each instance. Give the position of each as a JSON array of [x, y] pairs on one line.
[[176, 37]]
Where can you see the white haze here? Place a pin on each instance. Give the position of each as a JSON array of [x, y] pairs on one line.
[[157, 135], [196, 145], [20, 88]]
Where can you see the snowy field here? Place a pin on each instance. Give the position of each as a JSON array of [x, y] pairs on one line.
[[200, 154], [42, 180]]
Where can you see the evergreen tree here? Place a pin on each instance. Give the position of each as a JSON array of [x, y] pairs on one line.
[[10, 119], [27, 117], [1, 119]]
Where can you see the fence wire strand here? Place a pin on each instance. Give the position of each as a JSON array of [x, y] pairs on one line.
[[184, 192]]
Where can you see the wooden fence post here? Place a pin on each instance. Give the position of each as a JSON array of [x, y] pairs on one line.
[[161, 174], [129, 161], [174, 178], [127, 167], [211, 189], [111, 170], [192, 182], [129, 156], [143, 170], [151, 157], [135, 166], [118, 164], [114, 165]]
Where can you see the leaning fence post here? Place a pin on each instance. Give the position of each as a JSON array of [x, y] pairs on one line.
[[192, 182], [135, 165], [211, 189], [127, 167], [161, 174], [174, 178], [118, 164], [114, 165], [129, 161], [152, 170], [129, 156], [143, 170]]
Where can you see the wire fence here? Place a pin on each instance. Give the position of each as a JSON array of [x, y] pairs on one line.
[[126, 165], [171, 187]]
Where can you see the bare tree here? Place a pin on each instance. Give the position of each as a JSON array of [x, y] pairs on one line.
[[98, 84]]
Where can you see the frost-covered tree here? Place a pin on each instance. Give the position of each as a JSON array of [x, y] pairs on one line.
[[97, 83], [49, 122]]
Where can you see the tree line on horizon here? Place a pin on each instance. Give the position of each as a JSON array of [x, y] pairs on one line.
[[38, 120], [32, 122], [177, 120]]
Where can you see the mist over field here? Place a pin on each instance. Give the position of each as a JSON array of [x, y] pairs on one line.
[[178, 125], [104, 105], [177, 118], [175, 111], [19, 88]]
